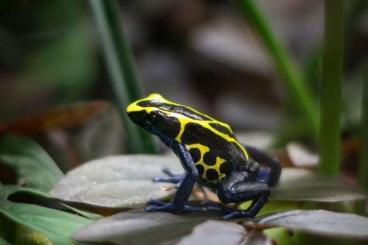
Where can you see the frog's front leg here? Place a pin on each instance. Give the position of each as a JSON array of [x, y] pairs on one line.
[[185, 159], [179, 204], [171, 177]]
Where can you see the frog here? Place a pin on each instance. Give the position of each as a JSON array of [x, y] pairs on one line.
[[210, 155]]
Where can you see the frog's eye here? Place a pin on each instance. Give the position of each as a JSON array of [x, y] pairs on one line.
[[155, 97], [149, 103], [144, 103]]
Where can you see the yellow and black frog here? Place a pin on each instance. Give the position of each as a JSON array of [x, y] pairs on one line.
[[210, 155]]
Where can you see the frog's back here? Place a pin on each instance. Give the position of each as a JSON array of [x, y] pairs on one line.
[[211, 143], [215, 151]]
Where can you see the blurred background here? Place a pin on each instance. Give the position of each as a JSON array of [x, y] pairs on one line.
[[197, 52]]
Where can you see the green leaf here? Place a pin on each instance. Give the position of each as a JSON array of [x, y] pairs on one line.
[[33, 196], [56, 225], [33, 165], [27, 236], [4, 242], [117, 181], [121, 182], [138, 227], [220, 232], [320, 222]]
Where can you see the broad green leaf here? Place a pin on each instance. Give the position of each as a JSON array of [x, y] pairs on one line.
[[32, 164], [27, 236], [33, 196], [281, 235], [56, 225], [120, 182], [138, 227], [320, 222], [117, 181], [219, 232], [305, 185], [4, 242]]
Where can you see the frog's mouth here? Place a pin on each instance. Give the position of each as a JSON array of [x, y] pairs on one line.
[[143, 120]]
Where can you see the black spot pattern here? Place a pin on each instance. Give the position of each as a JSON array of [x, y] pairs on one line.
[[195, 133], [196, 154], [221, 128], [229, 151], [209, 158], [200, 169], [212, 174], [226, 168]]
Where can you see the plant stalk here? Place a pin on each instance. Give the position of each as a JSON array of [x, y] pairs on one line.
[[292, 77], [363, 165], [332, 71], [120, 66]]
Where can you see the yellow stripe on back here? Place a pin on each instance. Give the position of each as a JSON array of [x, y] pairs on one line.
[[184, 120]]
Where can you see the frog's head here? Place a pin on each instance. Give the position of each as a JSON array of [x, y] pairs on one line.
[[151, 114]]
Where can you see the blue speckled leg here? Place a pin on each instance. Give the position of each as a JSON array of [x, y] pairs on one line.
[[237, 189], [179, 204], [252, 211], [265, 159], [215, 207]]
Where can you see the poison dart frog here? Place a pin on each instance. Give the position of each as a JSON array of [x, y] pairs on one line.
[[210, 155]]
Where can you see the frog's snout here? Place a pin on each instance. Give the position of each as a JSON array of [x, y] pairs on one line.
[[138, 117], [133, 107]]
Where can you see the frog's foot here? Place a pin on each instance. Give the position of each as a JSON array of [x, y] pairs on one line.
[[155, 202], [217, 207], [161, 206], [238, 214], [168, 172], [172, 178], [227, 212]]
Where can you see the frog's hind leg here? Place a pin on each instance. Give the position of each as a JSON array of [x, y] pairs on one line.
[[238, 189], [170, 178], [271, 162]]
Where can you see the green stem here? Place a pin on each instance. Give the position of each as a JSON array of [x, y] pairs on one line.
[[363, 165], [332, 70], [121, 70], [292, 77]]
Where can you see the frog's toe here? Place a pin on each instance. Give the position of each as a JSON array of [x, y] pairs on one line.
[[162, 207], [217, 207], [156, 202], [238, 214], [168, 172], [172, 179]]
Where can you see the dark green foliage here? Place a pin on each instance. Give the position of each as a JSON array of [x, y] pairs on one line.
[[34, 167]]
